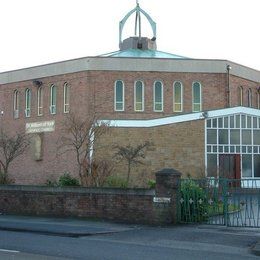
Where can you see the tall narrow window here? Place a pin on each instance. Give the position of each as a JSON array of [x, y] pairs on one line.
[[119, 96], [240, 96], [53, 93], [196, 97], [66, 96], [177, 97], [27, 102], [158, 96], [258, 99], [16, 104], [39, 101], [139, 96], [249, 97]]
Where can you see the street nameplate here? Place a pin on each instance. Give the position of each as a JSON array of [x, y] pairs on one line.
[[161, 200]]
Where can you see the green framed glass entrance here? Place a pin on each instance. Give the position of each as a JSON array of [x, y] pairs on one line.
[[237, 134]]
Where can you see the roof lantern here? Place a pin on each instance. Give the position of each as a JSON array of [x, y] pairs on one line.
[[137, 42]]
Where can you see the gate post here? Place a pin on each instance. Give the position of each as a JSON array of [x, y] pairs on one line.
[[166, 189]]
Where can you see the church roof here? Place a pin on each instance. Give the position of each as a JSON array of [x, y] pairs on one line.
[[136, 53]]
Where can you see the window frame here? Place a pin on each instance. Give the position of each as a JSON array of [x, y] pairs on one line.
[[249, 98], [193, 103], [174, 103], [162, 99], [135, 96], [40, 101], [66, 96], [16, 104], [241, 96], [53, 103], [258, 99], [244, 142], [28, 102], [123, 96]]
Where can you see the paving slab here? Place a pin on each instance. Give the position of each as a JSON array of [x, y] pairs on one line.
[[60, 226], [256, 249]]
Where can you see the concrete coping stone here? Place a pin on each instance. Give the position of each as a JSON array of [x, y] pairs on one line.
[[80, 190]]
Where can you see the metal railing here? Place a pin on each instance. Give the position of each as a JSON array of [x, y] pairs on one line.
[[230, 202]]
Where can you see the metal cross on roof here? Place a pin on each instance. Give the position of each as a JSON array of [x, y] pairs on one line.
[[138, 20], [138, 10]]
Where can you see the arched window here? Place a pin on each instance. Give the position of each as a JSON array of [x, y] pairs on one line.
[[66, 97], [53, 95], [177, 97], [119, 96], [16, 104], [158, 96], [139, 96], [258, 98], [27, 102], [196, 97], [240, 96], [40, 101], [249, 98]]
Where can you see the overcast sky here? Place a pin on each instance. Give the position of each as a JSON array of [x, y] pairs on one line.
[[35, 32]]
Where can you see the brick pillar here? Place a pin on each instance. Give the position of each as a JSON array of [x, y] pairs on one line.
[[167, 184]]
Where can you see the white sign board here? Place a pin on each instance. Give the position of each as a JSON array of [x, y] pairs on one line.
[[39, 127], [161, 200]]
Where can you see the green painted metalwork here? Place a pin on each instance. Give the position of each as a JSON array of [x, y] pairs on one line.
[[138, 10], [219, 202]]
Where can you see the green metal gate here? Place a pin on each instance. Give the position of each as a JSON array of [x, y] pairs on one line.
[[230, 202]]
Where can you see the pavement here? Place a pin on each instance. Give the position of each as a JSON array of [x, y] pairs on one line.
[[256, 249], [74, 227], [68, 227]]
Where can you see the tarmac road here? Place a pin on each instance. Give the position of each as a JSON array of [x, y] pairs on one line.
[[103, 240]]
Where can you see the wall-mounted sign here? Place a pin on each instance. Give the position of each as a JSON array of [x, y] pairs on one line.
[[161, 200], [39, 127]]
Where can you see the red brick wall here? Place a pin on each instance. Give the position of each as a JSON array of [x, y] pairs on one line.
[[25, 170], [132, 206], [213, 92], [77, 82], [235, 83], [93, 91], [84, 99]]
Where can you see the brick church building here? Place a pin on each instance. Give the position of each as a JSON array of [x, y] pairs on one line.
[[202, 116]]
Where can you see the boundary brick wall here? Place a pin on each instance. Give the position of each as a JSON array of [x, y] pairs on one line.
[[121, 205]]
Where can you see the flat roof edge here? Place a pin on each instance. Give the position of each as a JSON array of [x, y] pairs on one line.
[[129, 64]]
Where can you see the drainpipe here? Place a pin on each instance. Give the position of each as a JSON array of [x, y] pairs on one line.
[[1, 123], [228, 85]]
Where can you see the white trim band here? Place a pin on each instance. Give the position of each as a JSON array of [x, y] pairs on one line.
[[181, 118]]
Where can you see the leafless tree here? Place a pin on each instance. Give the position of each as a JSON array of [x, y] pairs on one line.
[[100, 170], [11, 147], [132, 155], [79, 137]]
